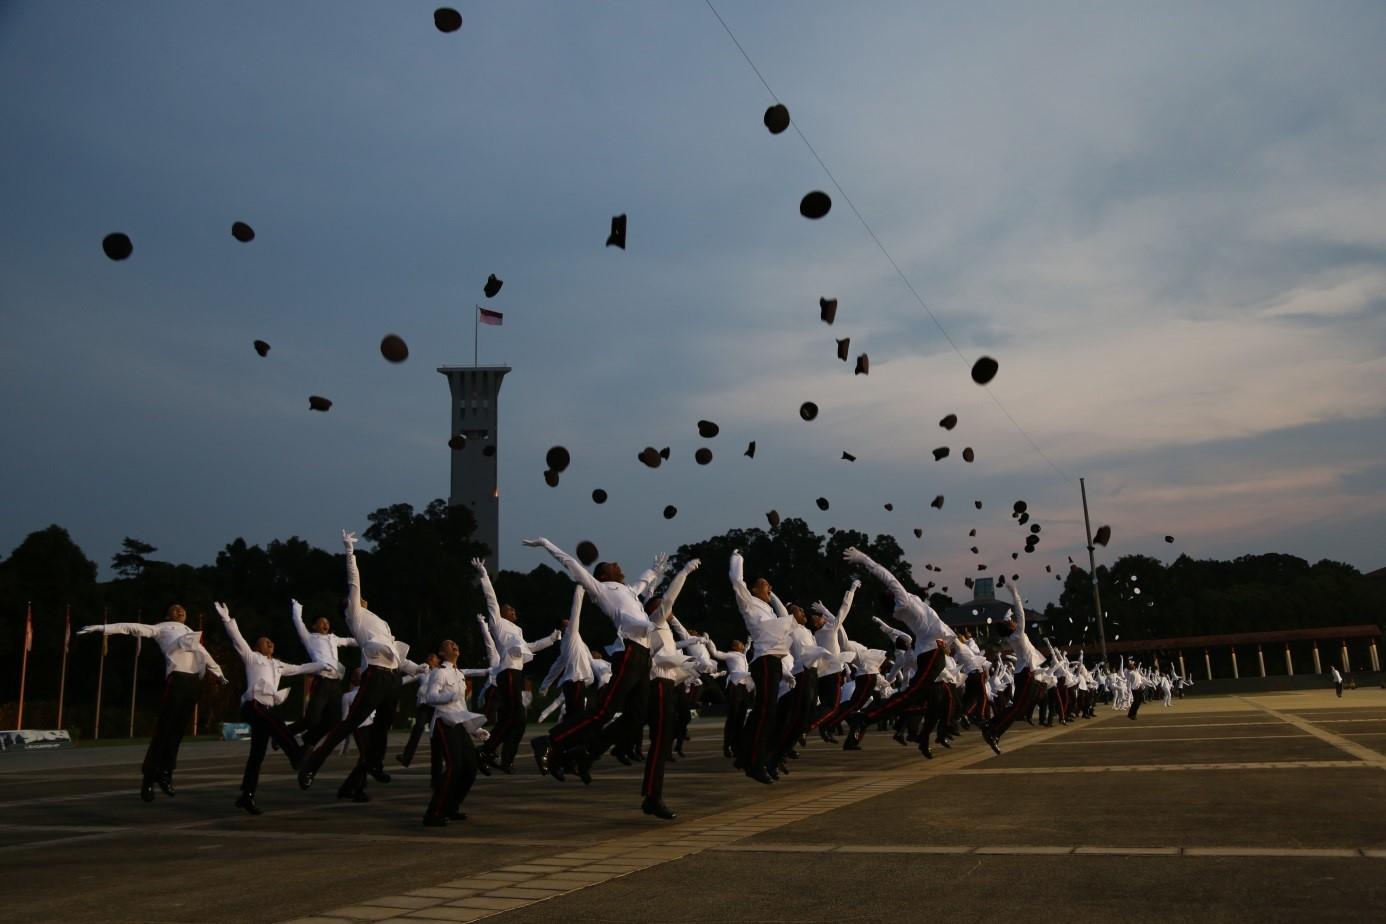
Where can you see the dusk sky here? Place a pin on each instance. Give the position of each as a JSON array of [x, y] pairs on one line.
[[1165, 221]]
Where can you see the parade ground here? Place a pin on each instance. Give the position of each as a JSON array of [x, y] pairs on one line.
[[1265, 807]]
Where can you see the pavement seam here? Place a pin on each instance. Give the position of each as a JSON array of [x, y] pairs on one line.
[[1364, 754]]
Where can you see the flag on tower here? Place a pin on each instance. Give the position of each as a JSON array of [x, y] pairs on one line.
[[494, 318]]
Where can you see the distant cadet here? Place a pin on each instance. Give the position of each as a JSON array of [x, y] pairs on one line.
[[1337, 681]]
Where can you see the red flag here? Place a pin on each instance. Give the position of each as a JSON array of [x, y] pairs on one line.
[[494, 318], [28, 630]]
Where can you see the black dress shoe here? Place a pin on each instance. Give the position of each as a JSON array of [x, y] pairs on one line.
[[305, 779], [507, 769], [399, 759], [944, 742], [540, 747], [760, 776], [166, 784], [925, 750], [657, 808], [378, 774], [434, 821], [623, 757], [355, 795], [992, 743], [457, 816], [727, 752], [147, 790], [247, 802], [583, 763]]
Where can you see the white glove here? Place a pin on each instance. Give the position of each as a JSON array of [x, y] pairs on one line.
[[856, 582], [660, 561], [349, 540], [88, 630], [821, 610], [693, 565], [532, 542], [297, 608], [222, 611], [480, 565]]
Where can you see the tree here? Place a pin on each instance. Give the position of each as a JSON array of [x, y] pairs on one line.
[[132, 558]]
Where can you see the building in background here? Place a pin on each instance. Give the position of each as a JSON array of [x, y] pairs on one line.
[[475, 444]]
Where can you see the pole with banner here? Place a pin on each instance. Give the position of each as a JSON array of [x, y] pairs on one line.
[[62, 680], [135, 675], [100, 675], [1092, 570], [488, 317], [24, 668]]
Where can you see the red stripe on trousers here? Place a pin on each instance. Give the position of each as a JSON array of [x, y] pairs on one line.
[[559, 737]]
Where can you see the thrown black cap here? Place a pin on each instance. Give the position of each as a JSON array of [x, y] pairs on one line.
[[558, 458], [937, 502], [750, 452], [617, 237], [262, 347], [863, 365], [1103, 536], [664, 453], [984, 370], [918, 533], [1034, 528], [777, 118], [318, 403], [844, 348], [447, 19], [889, 506], [967, 581], [117, 246], [968, 454], [670, 512], [551, 478], [599, 496], [815, 205], [1023, 519], [848, 457], [972, 531], [774, 518], [949, 422], [393, 348], [1019, 506], [940, 453], [1169, 538], [975, 551], [1049, 568], [242, 232], [827, 310], [493, 286], [703, 456], [457, 442], [707, 429], [822, 503], [587, 552], [808, 410], [650, 456], [981, 567]]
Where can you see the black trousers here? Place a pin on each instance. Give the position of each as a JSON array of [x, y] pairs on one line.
[[684, 701], [626, 693], [796, 713], [919, 691], [454, 760], [661, 721], [829, 692], [379, 693], [423, 718], [738, 701], [175, 711], [1137, 697], [264, 725], [758, 732], [1024, 691], [974, 694], [324, 709], [511, 717], [865, 686], [1339, 688]]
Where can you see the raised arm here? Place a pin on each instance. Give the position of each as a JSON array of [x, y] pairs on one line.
[[120, 628], [891, 631], [666, 603], [570, 564], [651, 577], [847, 598], [858, 557], [740, 591], [778, 607], [237, 640], [353, 575], [541, 643], [492, 655], [296, 609], [571, 632], [489, 592], [293, 670]]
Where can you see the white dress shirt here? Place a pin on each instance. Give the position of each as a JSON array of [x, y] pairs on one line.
[[446, 691], [262, 674], [924, 624], [769, 624], [321, 646], [182, 647], [372, 633], [620, 602], [574, 661]]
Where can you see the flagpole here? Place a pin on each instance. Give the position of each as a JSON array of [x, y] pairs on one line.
[[24, 669], [62, 681], [476, 334], [100, 676], [135, 674], [200, 618]]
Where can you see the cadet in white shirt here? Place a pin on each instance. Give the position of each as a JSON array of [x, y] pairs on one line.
[[739, 690], [769, 625], [1025, 687], [1337, 681], [378, 693], [423, 715], [589, 737], [453, 726], [668, 668], [832, 674], [262, 693], [572, 670], [511, 714], [185, 663], [323, 692], [796, 708]]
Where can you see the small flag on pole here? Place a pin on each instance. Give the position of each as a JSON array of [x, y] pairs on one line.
[[494, 318]]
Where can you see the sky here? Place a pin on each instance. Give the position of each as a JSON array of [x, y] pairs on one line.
[[1163, 220]]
